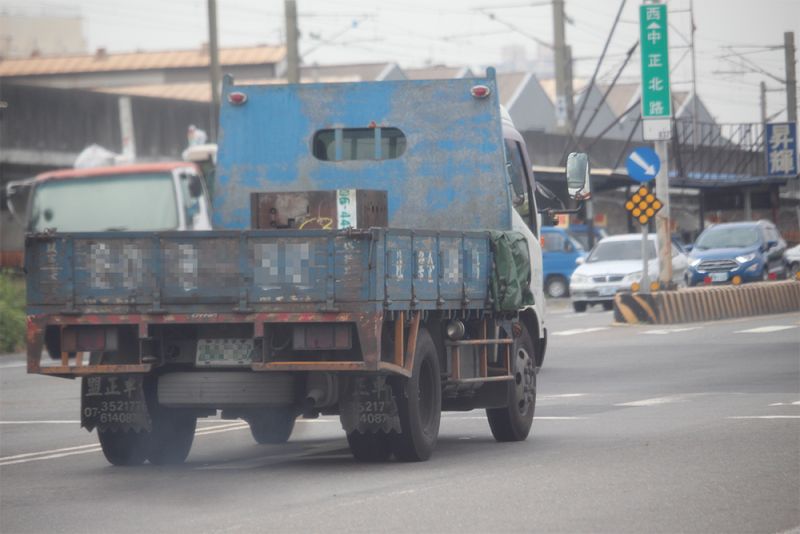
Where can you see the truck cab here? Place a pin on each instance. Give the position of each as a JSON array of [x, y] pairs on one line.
[[137, 197]]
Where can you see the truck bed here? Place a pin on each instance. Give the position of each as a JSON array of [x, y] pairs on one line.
[[257, 271]]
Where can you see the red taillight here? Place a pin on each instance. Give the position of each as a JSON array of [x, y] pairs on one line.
[[480, 91], [89, 338], [237, 98], [773, 276], [707, 280]]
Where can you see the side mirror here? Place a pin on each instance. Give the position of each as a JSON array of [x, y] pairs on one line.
[[578, 182], [580, 260], [771, 244]]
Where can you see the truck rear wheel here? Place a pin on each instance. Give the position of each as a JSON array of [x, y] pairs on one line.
[[172, 436], [513, 423], [124, 447], [272, 425], [419, 404], [369, 447]]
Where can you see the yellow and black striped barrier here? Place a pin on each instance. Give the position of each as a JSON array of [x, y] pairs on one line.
[[707, 303]]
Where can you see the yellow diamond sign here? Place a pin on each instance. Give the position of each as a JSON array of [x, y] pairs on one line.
[[643, 205]]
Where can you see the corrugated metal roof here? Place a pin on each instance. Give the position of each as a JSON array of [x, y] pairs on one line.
[[43, 66]]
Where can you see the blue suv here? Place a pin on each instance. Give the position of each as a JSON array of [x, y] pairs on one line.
[[737, 252], [559, 252]]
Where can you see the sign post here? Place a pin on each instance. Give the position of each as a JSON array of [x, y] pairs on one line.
[[657, 118]]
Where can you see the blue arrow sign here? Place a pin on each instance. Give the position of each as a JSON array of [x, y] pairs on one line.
[[643, 164]]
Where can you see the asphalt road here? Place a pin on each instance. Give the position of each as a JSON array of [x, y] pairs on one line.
[[692, 428]]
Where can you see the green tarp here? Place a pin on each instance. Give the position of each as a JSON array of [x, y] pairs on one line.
[[511, 276]]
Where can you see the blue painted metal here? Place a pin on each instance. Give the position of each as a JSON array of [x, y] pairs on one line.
[[258, 270], [451, 175]]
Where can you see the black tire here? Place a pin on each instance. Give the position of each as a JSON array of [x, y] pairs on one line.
[[172, 436], [419, 403], [579, 307], [124, 447], [369, 447], [608, 305], [556, 286], [513, 423], [272, 426]]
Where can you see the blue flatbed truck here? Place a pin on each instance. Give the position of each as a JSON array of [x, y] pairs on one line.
[[299, 303]]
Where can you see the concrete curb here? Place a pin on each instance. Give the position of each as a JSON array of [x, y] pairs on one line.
[[707, 303]]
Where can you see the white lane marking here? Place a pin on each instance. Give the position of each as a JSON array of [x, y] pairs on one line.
[[656, 401], [670, 330], [795, 403], [561, 396], [83, 449], [13, 365], [65, 449], [765, 329], [536, 417], [764, 417], [94, 448], [45, 422], [579, 331]]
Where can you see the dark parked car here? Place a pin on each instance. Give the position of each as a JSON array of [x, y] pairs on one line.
[[737, 252]]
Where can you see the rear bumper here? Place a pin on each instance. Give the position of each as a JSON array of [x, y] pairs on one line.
[[367, 325]]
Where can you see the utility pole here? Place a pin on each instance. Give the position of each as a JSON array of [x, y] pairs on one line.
[[292, 56], [694, 77], [215, 74], [791, 79], [791, 98], [564, 105], [763, 102]]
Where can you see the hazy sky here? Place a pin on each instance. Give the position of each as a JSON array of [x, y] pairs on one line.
[[462, 32]]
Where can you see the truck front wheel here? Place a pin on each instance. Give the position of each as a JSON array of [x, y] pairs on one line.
[[124, 447], [272, 425], [513, 423], [419, 404]]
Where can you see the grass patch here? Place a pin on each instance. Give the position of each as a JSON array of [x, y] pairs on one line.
[[12, 311]]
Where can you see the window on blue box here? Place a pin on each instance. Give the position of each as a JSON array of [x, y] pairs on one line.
[[348, 144]]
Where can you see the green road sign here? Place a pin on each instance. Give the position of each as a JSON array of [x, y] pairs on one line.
[[655, 61]]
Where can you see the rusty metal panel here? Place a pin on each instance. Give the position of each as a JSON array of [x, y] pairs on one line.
[[425, 267], [317, 210], [48, 262], [109, 271], [292, 269], [399, 268], [353, 279], [201, 266]]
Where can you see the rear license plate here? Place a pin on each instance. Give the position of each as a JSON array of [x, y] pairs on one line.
[[719, 277], [224, 352]]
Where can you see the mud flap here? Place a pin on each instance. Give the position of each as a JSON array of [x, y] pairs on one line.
[[368, 406], [114, 402]]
